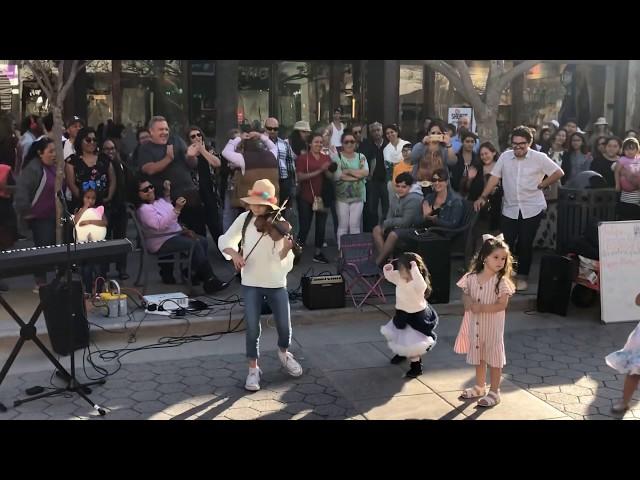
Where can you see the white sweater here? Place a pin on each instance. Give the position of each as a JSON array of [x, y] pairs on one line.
[[264, 267], [409, 295]]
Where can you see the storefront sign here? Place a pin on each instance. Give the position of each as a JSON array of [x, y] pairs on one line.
[[455, 113]]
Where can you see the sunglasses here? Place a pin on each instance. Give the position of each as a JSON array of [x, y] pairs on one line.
[[146, 189], [195, 135], [108, 149], [520, 144], [436, 180], [90, 139], [348, 142], [272, 129], [357, 132]]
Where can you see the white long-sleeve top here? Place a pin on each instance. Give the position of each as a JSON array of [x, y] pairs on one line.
[[237, 159], [409, 295], [263, 267]]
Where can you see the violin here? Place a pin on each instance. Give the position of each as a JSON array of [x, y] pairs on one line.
[[274, 226], [277, 229]]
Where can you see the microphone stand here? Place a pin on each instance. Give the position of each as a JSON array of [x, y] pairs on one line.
[[72, 383]]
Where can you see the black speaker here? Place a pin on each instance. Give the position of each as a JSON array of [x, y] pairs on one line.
[[65, 320], [323, 292], [436, 253], [554, 284]]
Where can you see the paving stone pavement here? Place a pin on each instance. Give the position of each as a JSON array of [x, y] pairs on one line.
[[551, 374]]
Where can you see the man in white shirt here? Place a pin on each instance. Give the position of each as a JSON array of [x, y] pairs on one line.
[[73, 127], [523, 172]]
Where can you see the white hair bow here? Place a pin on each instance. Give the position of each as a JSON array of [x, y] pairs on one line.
[[488, 236]]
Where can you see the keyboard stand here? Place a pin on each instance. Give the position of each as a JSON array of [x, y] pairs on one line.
[[28, 332]]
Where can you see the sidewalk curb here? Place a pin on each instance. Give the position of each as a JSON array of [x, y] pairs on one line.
[[156, 327]]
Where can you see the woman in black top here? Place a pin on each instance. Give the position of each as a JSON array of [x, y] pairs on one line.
[[464, 178], [88, 169], [603, 164], [206, 180]]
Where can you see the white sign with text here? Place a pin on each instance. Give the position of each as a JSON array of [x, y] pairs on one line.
[[619, 271]]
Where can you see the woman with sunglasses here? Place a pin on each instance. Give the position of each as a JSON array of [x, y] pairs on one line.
[[442, 208], [206, 179], [88, 169], [350, 177], [164, 235]]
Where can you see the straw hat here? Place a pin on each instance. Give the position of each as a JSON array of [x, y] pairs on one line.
[[601, 121], [262, 193]]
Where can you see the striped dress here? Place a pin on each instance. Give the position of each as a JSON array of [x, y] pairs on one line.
[[481, 335]]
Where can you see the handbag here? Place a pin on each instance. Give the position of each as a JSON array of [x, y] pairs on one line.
[[318, 203]]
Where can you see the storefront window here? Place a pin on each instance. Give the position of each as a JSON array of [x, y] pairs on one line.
[[411, 100], [203, 96], [253, 94], [347, 100], [543, 93], [303, 94], [99, 94]]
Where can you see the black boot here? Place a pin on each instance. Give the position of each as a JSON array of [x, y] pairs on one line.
[[415, 370], [398, 359]]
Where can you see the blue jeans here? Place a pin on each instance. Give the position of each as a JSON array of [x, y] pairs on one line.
[[278, 299], [200, 265], [44, 234]]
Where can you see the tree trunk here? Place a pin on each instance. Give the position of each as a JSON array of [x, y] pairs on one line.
[[488, 127], [57, 138]]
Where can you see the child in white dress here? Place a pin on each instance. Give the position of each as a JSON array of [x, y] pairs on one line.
[[410, 334], [627, 361]]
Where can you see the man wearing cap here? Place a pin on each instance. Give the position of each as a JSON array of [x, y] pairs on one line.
[[264, 265], [336, 128], [600, 129], [74, 124]]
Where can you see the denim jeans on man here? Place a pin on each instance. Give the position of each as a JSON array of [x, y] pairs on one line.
[[199, 261], [278, 299]]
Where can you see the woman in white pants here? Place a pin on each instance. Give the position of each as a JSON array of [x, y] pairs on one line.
[[350, 176]]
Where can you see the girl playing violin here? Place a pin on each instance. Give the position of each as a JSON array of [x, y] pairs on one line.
[[264, 263]]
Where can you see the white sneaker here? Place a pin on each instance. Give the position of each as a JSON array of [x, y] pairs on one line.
[[293, 367], [253, 380]]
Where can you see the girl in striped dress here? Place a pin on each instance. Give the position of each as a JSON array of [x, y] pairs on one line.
[[486, 291]]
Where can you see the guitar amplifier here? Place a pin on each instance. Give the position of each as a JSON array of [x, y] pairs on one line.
[[323, 292]]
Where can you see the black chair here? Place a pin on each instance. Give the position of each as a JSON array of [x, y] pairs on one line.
[[462, 236], [180, 257]]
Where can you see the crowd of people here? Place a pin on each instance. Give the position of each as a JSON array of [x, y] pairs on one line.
[[352, 172]]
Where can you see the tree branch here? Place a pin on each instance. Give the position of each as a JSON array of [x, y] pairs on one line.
[[465, 76], [75, 68], [516, 71], [60, 76], [41, 77]]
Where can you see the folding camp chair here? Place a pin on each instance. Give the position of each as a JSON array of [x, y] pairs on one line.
[[357, 265]]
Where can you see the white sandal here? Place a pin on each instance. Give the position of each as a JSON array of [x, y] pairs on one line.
[[491, 399], [474, 392]]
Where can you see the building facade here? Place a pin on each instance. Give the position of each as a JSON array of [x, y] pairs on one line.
[[217, 95]]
